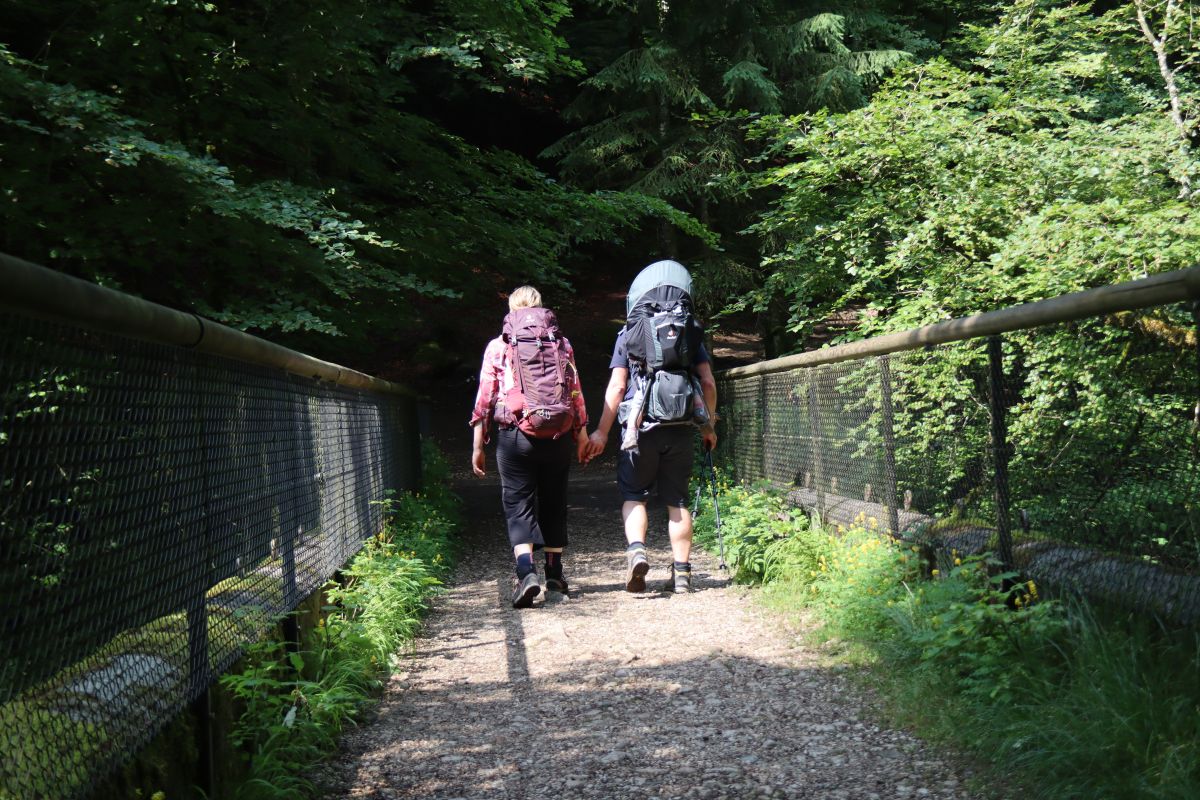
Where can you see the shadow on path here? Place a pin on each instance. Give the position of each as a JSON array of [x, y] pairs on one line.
[[606, 694]]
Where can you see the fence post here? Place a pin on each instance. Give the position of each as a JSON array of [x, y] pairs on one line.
[[818, 440], [1196, 411], [998, 409], [290, 533], [762, 439], [1196, 321], [199, 675], [726, 430], [412, 427], [887, 428]]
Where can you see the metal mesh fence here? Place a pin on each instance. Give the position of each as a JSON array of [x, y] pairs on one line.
[[159, 509], [1071, 452]]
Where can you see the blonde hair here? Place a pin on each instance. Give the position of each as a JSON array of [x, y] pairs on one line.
[[524, 297]]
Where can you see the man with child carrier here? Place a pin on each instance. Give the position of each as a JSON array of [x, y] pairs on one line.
[[661, 390]]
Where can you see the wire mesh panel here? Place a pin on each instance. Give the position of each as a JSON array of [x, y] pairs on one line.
[[158, 509], [1105, 475], [742, 408], [943, 451], [1072, 451], [822, 434]]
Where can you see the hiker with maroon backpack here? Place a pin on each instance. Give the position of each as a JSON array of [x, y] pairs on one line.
[[529, 387], [661, 392]]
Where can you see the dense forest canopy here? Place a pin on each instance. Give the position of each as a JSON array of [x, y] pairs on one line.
[[319, 169], [284, 166]]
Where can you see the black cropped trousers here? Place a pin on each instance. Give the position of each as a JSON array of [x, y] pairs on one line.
[[533, 476]]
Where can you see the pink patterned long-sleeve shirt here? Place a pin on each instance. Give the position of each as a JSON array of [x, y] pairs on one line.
[[496, 379]]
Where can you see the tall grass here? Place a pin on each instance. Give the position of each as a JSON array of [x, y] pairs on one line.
[[1062, 699], [296, 702]]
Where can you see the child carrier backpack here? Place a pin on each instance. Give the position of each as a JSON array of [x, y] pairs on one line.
[[539, 402], [662, 338]]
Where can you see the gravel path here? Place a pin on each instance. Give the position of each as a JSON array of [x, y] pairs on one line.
[[611, 695]]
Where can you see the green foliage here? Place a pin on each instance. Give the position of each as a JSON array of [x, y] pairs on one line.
[[664, 116], [278, 166], [750, 524], [297, 702], [1034, 158], [671, 88], [493, 40], [69, 752], [962, 629], [1036, 163], [1137, 685], [985, 665]]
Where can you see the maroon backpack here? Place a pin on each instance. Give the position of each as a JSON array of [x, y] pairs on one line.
[[540, 401]]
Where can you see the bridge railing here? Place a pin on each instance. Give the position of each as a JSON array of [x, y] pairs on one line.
[[1063, 436], [168, 487]]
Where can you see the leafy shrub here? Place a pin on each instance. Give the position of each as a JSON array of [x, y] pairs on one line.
[[752, 521], [1065, 700], [297, 702]]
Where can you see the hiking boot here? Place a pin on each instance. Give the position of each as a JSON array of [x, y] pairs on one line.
[[678, 582], [526, 589], [636, 567], [558, 584]]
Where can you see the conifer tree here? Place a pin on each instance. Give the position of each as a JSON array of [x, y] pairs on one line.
[[664, 107], [650, 118]]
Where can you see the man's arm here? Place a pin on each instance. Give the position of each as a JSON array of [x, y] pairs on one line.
[[708, 387], [613, 396]]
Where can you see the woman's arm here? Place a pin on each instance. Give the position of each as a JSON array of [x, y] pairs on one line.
[[485, 401], [578, 405], [478, 460]]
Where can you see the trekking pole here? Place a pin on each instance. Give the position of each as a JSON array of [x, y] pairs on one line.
[[712, 482]]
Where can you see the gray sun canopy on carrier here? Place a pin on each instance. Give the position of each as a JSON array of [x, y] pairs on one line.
[[658, 274]]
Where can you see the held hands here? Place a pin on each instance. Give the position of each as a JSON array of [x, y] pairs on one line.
[[596, 444], [588, 447]]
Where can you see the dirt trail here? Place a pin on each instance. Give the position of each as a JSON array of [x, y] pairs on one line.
[[607, 694]]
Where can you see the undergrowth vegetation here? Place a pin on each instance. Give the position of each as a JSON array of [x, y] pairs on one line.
[[1061, 699], [297, 700]]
